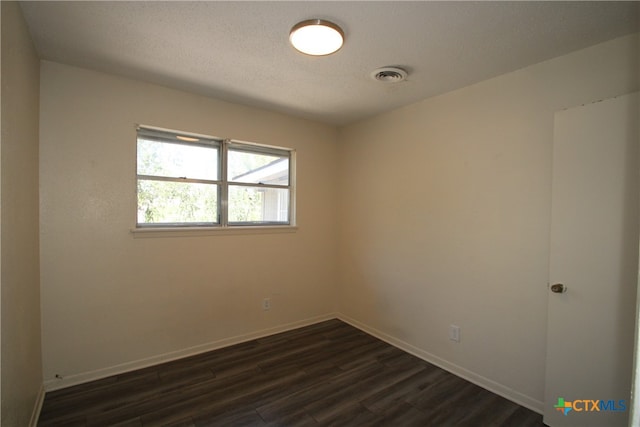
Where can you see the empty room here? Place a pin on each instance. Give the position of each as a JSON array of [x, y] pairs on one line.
[[314, 213]]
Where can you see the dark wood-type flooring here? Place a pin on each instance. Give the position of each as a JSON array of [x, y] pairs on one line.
[[327, 374]]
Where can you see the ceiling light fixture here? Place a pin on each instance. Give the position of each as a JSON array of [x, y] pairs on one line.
[[316, 37]]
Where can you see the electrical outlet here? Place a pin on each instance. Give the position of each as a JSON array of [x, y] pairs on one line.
[[266, 304], [454, 333]]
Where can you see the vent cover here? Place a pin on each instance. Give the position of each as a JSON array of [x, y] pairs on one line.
[[389, 74]]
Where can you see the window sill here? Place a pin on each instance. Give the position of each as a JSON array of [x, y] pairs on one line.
[[209, 231]]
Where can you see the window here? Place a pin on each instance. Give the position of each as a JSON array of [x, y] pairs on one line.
[[187, 180]]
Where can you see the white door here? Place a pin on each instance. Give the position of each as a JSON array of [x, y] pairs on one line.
[[594, 255]]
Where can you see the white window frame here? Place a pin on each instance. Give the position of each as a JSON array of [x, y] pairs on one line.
[[223, 183]]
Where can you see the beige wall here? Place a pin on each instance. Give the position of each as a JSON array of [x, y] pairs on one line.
[[445, 214], [21, 356], [113, 301]]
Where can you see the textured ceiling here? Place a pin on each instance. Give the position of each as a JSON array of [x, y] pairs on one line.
[[239, 51]]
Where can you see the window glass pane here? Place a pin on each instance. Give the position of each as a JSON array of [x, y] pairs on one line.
[[176, 202], [257, 168], [177, 160], [258, 205]]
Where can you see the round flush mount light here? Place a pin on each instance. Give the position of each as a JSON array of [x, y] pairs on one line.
[[389, 75], [316, 37]]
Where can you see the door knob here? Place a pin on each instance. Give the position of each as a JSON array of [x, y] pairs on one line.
[[558, 288]]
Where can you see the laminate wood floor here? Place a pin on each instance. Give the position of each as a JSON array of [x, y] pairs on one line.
[[327, 374]]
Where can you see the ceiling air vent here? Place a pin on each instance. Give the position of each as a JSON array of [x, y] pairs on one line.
[[389, 75]]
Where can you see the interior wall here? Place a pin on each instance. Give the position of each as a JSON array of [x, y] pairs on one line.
[[445, 216], [20, 279], [112, 300]]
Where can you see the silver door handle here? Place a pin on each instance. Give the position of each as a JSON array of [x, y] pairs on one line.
[[558, 288]]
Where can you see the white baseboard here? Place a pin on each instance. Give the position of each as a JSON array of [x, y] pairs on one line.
[[493, 386], [486, 383], [37, 407], [71, 380]]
